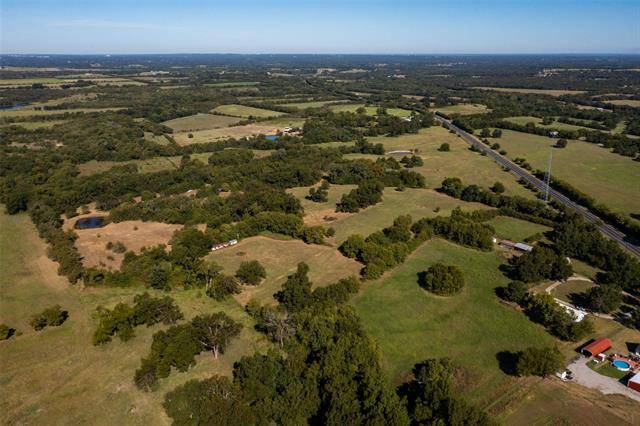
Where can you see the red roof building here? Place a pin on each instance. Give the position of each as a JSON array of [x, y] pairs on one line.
[[596, 347], [634, 382]]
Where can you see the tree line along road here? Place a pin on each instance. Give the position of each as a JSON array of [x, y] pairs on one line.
[[605, 228]]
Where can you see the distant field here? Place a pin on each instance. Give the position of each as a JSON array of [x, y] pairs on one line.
[[56, 376], [628, 102], [201, 122], [371, 110], [37, 113], [233, 84], [610, 178], [263, 127], [463, 109], [100, 80], [30, 125], [245, 111], [552, 92], [469, 166], [280, 259], [515, 229], [411, 325], [311, 104], [418, 203], [538, 122]]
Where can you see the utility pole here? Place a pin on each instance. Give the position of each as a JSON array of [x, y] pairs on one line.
[[548, 176]]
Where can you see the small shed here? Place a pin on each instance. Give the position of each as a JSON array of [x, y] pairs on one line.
[[634, 382], [522, 247], [596, 347]]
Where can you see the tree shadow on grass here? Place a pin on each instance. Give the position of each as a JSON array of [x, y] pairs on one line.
[[508, 361]]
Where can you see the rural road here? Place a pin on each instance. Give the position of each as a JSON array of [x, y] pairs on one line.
[[605, 228]]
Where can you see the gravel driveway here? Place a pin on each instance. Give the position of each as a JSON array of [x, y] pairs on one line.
[[585, 376]]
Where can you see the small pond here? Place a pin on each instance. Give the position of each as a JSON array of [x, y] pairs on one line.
[[271, 138], [90, 222]]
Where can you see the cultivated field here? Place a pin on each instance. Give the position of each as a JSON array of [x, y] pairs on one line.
[[462, 109], [610, 178], [56, 376], [628, 102], [552, 92], [280, 259], [201, 122], [264, 127], [245, 111]]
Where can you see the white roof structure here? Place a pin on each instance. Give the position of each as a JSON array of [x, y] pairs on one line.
[[635, 379], [523, 247]]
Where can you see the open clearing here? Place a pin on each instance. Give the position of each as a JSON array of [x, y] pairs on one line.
[[418, 203], [462, 109], [30, 125], [523, 120], [627, 102], [552, 92], [201, 122], [36, 113], [609, 178], [265, 128], [371, 110], [460, 162], [280, 259], [470, 328], [56, 376], [515, 229], [245, 111], [311, 104], [233, 84], [134, 234]]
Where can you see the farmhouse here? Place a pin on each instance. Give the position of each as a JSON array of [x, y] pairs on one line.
[[634, 382], [596, 347]]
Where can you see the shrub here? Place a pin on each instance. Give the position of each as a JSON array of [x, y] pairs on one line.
[[515, 291], [604, 298], [251, 272], [223, 286], [6, 332], [562, 143], [539, 362], [50, 317], [442, 279], [444, 147], [498, 188]]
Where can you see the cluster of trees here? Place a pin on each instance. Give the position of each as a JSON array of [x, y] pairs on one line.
[[384, 249], [462, 228], [541, 263], [443, 280], [383, 170], [534, 361], [50, 317], [543, 309], [251, 272], [516, 206], [320, 194], [413, 161], [178, 345], [122, 319], [368, 193]]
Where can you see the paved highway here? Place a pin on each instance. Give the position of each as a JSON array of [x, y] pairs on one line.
[[606, 229]]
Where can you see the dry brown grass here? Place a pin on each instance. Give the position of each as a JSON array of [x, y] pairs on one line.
[[237, 132], [134, 234]]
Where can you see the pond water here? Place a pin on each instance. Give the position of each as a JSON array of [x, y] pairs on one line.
[[12, 107], [271, 138], [90, 222]]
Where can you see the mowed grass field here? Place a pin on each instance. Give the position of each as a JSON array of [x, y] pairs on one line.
[[515, 229], [245, 111], [627, 102], [460, 162], [609, 178], [268, 127], [56, 376], [14, 113], [311, 104], [462, 109], [538, 122], [371, 110], [418, 203], [280, 259], [30, 125], [411, 324], [201, 122], [551, 92]]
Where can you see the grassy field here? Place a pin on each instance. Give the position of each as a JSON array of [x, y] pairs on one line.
[[418, 203], [411, 325], [609, 178], [552, 92], [565, 290], [515, 229], [538, 122], [245, 111], [37, 113], [233, 84], [371, 110], [310, 104], [460, 162], [628, 102], [201, 122], [280, 259], [56, 376], [462, 109], [264, 127], [30, 125]]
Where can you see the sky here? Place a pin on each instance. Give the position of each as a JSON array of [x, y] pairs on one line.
[[320, 26]]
